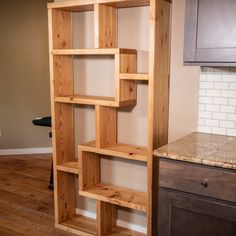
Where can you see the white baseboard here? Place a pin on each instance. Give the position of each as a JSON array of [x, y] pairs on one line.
[[120, 223], [25, 151]]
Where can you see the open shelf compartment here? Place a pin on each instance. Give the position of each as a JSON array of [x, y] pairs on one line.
[[90, 185], [63, 65], [79, 225]]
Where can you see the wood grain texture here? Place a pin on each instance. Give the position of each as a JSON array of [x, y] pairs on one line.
[[106, 218], [106, 126], [118, 195], [26, 202], [89, 169], [131, 152], [158, 99], [82, 5], [127, 89], [79, 225], [61, 29], [69, 167], [105, 26], [93, 51], [133, 76]]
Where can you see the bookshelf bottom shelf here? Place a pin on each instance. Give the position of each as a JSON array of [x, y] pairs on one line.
[[84, 226]]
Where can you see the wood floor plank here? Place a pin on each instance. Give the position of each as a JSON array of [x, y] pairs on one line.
[[25, 200]]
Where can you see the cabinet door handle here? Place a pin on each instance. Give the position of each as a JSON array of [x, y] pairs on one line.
[[204, 183]]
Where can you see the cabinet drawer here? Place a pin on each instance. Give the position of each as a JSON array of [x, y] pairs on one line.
[[199, 179]]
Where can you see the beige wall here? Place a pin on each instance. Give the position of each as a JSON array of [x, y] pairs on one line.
[[132, 122], [184, 81], [24, 73]]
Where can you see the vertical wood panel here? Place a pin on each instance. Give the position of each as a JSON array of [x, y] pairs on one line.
[[61, 29], [105, 26], [127, 88], [106, 126], [61, 83], [89, 169], [66, 196], [106, 218], [158, 99]]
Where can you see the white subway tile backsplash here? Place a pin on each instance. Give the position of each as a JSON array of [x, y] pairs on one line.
[[221, 85], [226, 124], [201, 121], [214, 77], [232, 86], [204, 129], [206, 100], [206, 85], [201, 107], [202, 92], [205, 114], [220, 116], [228, 93], [217, 101], [212, 107], [232, 101], [229, 78], [232, 117], [231, 132], [213, 93], [216, 130], [220, 101], [203, 77], [229, 109], [213, 123]]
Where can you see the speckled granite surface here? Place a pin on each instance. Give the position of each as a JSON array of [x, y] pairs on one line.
[[202, 148]]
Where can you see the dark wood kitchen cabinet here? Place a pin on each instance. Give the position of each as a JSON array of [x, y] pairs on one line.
[[210, 33], [196, 200]]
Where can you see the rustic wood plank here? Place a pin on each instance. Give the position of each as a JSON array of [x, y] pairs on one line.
[[106, 218], [105, 26], [134, 76], [79, 225], [93, 51], [117, 195], [69, 167], [126, 90], [61, 29], [158, 99], [131, 152], [106, 126], [89, 169], [87, 100], [82, 5]]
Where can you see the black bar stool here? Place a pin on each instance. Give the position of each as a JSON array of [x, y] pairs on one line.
[[46, 122]]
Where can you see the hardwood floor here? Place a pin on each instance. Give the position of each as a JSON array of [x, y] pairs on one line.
[[26, 203]]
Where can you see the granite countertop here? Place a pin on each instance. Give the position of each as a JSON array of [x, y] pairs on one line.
[[202, 148]]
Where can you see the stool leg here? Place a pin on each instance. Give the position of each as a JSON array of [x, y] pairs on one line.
[[51, 178]]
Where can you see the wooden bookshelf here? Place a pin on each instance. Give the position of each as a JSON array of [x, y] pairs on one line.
[[64, 99]]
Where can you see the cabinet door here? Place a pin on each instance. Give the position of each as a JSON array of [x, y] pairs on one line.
[[182, 214], [210, 32]]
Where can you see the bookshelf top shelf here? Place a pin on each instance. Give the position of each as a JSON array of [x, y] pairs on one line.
[[88, 5]]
